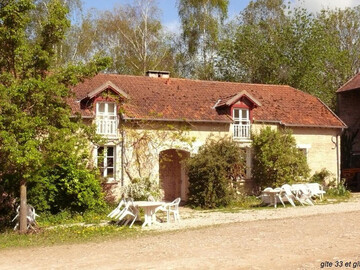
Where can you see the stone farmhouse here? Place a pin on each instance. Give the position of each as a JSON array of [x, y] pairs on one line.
[[150, 124]]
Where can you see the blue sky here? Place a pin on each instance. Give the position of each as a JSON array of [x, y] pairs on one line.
[[171, 21]]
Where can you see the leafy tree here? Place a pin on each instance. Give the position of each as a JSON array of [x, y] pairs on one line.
[[200, 21], [213, 173], [270, 43], [257, 44], [333, 48], [277, 160], [131, 34], [36, 124]]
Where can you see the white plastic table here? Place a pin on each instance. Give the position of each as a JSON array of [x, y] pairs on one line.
[[149, 209], [274, 195]]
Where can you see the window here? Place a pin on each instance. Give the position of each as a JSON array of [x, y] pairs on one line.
[[241, 124], [106, 161], [106, 118], [304, 148]]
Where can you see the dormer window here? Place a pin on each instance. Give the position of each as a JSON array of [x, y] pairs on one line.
[[240, 106], [106, 118], [241, 127]]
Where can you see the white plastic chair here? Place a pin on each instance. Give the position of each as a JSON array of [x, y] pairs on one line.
[[279, 195], [117, 210], [302, 194], [173, 208], [128, 212], [316, 190], [30, 217], [287, 194]]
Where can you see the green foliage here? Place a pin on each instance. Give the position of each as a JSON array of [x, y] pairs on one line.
[[42, 145], [201, 22], [322, 177], [67, 217], [66, 235], [141, 189], [339, 190], [271, 43], [213, 173], [131, 34], [244, 201], [67, 186], [277, 161]]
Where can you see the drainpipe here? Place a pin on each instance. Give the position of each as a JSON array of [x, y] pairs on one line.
[[337, 145], [122, 156], [337, 159]]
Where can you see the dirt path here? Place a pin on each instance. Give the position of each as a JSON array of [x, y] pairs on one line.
[[326, 234]]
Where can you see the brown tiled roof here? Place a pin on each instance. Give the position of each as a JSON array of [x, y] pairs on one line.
[[352, 84], [194, 100]]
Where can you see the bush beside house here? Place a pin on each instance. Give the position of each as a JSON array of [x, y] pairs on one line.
[[277, 160], [213, 173]]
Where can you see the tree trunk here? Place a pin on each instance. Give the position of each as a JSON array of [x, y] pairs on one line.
[[23, 208]]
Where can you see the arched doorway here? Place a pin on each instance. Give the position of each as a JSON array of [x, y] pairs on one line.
[[173, 177]]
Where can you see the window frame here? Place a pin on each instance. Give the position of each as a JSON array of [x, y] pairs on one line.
[[104, 169], [240, 122], [106, 113], [240, 118], [106, 121], [304, 148]]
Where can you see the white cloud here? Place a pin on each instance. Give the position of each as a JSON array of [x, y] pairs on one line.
[[317, 5]]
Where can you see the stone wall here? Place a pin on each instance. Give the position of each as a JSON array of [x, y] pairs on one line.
[[321, 148], [318, 142]]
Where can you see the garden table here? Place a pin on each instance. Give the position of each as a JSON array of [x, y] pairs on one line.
[[274, 195], [149, 209]]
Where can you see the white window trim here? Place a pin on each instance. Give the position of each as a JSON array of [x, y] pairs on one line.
[[106, 109], [241, 131], [306, 147], [104, 173], [106, 122]]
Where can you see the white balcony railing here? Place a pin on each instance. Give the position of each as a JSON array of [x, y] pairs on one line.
[[107, 127], [242, 131]]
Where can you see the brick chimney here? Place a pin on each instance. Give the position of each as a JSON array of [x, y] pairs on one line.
[[158, 74]]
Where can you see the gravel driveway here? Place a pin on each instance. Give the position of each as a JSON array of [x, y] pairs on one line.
[[283, 238]]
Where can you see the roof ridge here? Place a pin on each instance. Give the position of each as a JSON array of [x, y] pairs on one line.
[[303, 92]]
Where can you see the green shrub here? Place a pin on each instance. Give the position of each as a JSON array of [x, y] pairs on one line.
[[276, 159], [339, 190], [212, 173], [322, 177], [67, 186]]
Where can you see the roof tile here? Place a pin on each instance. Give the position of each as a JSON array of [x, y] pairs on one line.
[[193, 100], [352, 84]]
